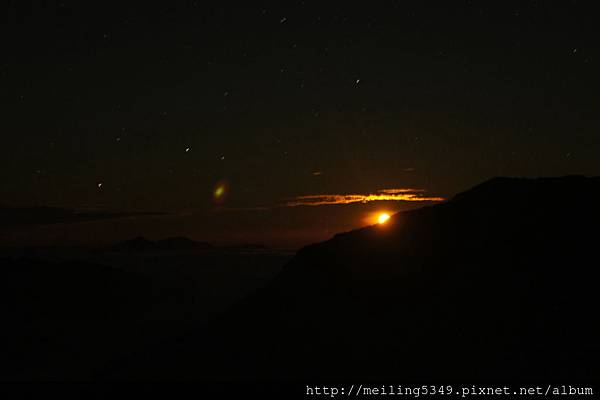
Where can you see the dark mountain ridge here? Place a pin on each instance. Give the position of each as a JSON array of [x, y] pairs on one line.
[[498, 283]]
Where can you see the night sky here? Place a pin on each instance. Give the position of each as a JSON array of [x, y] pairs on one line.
[[225, 116]]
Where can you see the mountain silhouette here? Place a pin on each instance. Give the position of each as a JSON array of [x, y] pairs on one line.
[[66, 316], [500, 282], [54, 313], [181, 243]]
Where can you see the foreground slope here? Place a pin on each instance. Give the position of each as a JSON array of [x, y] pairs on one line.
[[498, 283]]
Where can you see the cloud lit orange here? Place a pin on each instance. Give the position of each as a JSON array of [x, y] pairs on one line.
[[402, 194]]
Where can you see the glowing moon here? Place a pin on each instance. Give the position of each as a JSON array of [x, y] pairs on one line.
[[383, 217]]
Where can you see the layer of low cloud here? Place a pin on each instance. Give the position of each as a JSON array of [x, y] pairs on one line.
[[13, 217]]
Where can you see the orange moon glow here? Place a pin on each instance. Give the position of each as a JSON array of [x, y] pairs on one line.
[[382, 218]]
